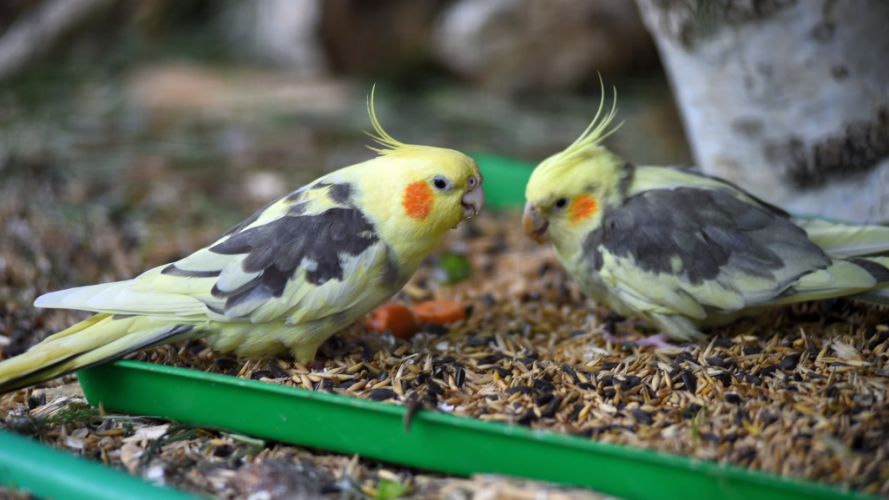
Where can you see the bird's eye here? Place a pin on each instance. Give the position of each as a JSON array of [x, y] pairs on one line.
[[440, 183], [560, 203]]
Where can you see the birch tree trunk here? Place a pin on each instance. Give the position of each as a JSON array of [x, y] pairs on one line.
[[789, 99]]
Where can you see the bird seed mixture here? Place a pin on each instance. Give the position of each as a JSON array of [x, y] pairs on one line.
[[800, 391]]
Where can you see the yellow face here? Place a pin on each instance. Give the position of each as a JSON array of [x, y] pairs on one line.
[[416, 194], [568, 191], [567, 194], [438, 188], [422, 190]]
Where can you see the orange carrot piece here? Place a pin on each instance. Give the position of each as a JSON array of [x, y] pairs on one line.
[[440, 311], [394, 317]]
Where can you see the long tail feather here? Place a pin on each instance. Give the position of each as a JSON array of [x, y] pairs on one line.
[[847, 240], [879, 268], [98, 339], [859, 278]]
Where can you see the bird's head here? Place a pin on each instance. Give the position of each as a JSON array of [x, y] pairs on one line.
[[423, 190], [568, 191]]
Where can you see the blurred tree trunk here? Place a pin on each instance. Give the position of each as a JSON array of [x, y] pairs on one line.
[[789, 99], [315, 37], [527, 45], [283, 32], [40, 29]]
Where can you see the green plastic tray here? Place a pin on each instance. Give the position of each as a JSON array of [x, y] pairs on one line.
[[436, 441], [47, 473], [505, 180]]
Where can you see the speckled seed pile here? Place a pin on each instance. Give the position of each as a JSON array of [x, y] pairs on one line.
[[801, 391]]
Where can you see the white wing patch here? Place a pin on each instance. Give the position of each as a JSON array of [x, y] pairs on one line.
[[233, 276], [118, 298]]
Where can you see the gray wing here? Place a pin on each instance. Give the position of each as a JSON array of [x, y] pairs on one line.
[[684, 248], [301, 257]]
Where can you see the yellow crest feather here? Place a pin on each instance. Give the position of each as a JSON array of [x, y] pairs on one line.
[[390, 145], [594, 133], [582, 159]]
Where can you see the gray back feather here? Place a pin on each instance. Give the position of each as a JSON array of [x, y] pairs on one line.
[[711, 232]]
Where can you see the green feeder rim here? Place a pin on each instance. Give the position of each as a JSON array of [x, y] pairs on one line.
[[29, 466], [435, 441]]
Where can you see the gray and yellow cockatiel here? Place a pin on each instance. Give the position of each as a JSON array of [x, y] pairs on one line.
[[684, 251], [286, 279]]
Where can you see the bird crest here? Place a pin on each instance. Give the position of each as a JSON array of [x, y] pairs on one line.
[[390, 145], [594, 134], [582, 164]]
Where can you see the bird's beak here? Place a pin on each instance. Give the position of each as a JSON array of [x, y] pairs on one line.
[[472, 201], [535, 225]]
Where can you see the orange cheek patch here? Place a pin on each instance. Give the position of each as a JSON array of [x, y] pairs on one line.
[[417, 200], [584, 206]]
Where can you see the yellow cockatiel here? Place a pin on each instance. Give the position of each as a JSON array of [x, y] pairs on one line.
[[287, 278], [685, 251]]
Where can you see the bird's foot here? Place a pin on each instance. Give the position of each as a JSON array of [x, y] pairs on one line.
[[658, 341], [614, 339]]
